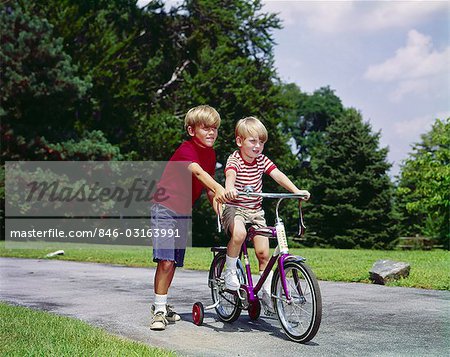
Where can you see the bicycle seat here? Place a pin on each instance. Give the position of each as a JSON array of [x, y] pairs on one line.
[[219, 249]]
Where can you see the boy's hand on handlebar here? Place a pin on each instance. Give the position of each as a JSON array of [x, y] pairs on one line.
[[304, 193], [231, 194]]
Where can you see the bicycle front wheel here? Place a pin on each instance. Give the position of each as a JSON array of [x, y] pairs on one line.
[[229, 307], [300, 318]]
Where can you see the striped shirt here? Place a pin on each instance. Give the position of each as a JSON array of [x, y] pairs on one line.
[[249, 174]]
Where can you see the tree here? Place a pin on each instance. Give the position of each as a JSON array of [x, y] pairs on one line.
[[149, 66], [40, 85], [424, 187], [350, 188], [230, 51], [109, 43], [309, 115]]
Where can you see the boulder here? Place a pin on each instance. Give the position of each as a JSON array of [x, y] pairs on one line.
[[387, 270]]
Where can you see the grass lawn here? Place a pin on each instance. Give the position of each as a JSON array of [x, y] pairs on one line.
[[26, 332], [429, 269]]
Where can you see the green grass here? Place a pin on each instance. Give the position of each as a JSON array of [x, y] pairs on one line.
[[429, 269], [26, 332]]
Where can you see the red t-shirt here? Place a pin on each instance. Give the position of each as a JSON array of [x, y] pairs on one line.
[[181, 187]]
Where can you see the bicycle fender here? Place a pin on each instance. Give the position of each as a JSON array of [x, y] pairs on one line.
[[295, 258]]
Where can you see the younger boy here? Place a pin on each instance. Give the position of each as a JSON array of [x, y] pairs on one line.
[[189, 170], [245, 167]]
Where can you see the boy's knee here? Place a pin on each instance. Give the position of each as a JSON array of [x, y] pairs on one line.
[[239, 236], [262, 255], [166, 265]]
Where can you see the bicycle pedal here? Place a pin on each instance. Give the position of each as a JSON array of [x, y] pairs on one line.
[[239, 294]]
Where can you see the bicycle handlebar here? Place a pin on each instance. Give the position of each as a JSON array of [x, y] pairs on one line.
[[280, 197], [272, 195]]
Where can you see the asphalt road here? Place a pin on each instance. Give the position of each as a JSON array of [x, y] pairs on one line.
[[358, 319]]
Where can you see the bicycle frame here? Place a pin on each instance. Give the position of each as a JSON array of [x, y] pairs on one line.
[[252, 290], [277, 256], [295, 292]]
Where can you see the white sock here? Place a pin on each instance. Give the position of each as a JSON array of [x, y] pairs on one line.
[[231, 262], [268, 283], [160, 303]]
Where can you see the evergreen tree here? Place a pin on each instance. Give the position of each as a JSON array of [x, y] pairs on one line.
[[350, 189], [109, 43], [40, 85], [309, 115]]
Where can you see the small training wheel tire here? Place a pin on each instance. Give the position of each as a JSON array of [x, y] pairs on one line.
[[198, 312]]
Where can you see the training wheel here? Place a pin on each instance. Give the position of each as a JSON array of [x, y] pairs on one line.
[[198, 312], [254, 310]]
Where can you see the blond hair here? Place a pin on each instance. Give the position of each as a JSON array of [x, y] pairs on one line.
[[202, 115], [251, 126]]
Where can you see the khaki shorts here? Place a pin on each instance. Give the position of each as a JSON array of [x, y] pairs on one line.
[[248, 216]]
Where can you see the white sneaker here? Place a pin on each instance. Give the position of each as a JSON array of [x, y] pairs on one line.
[[266, 301], [159, 321], [231, 280], [170, 315]]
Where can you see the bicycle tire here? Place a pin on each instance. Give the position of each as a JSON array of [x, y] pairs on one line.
[[229, 308], [301, 319]]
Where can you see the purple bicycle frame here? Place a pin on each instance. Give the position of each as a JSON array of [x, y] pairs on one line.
[[253, 290]]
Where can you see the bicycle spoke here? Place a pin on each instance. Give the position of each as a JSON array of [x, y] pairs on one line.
[[228, 308], [298, 317]]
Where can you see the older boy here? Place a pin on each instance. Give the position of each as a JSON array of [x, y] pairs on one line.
[[196, 159], [245, 167]]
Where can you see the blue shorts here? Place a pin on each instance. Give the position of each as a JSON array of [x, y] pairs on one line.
[[170, 234]]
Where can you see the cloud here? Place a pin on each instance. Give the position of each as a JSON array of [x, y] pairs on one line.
[[330, 17], [417, 59], [411, 129], [417, 68], [390, 14], [327, 17], [318, 15], [402, 134]]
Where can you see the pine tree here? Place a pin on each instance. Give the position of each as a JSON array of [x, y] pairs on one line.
[[309, 116], [351, 191], [40, 86]]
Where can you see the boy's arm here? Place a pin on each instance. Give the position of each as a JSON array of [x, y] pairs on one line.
[[284, 181], [230, 180], [208, 182], [215, 204]]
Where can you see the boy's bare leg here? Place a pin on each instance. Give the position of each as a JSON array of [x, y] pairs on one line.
[[164, 276], [165, 271], [262, 250], [238, 234]]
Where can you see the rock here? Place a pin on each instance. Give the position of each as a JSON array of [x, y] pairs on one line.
[[387, 270], [58, 252]]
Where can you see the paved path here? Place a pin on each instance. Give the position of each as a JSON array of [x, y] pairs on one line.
[[358, 319]]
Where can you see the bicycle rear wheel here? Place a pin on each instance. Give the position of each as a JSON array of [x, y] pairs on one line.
[[229, 307], [301, 318]]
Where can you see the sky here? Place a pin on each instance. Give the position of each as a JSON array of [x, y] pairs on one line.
[[388, 59]]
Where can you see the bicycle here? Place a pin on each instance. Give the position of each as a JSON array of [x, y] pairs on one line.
[[296, 296]]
